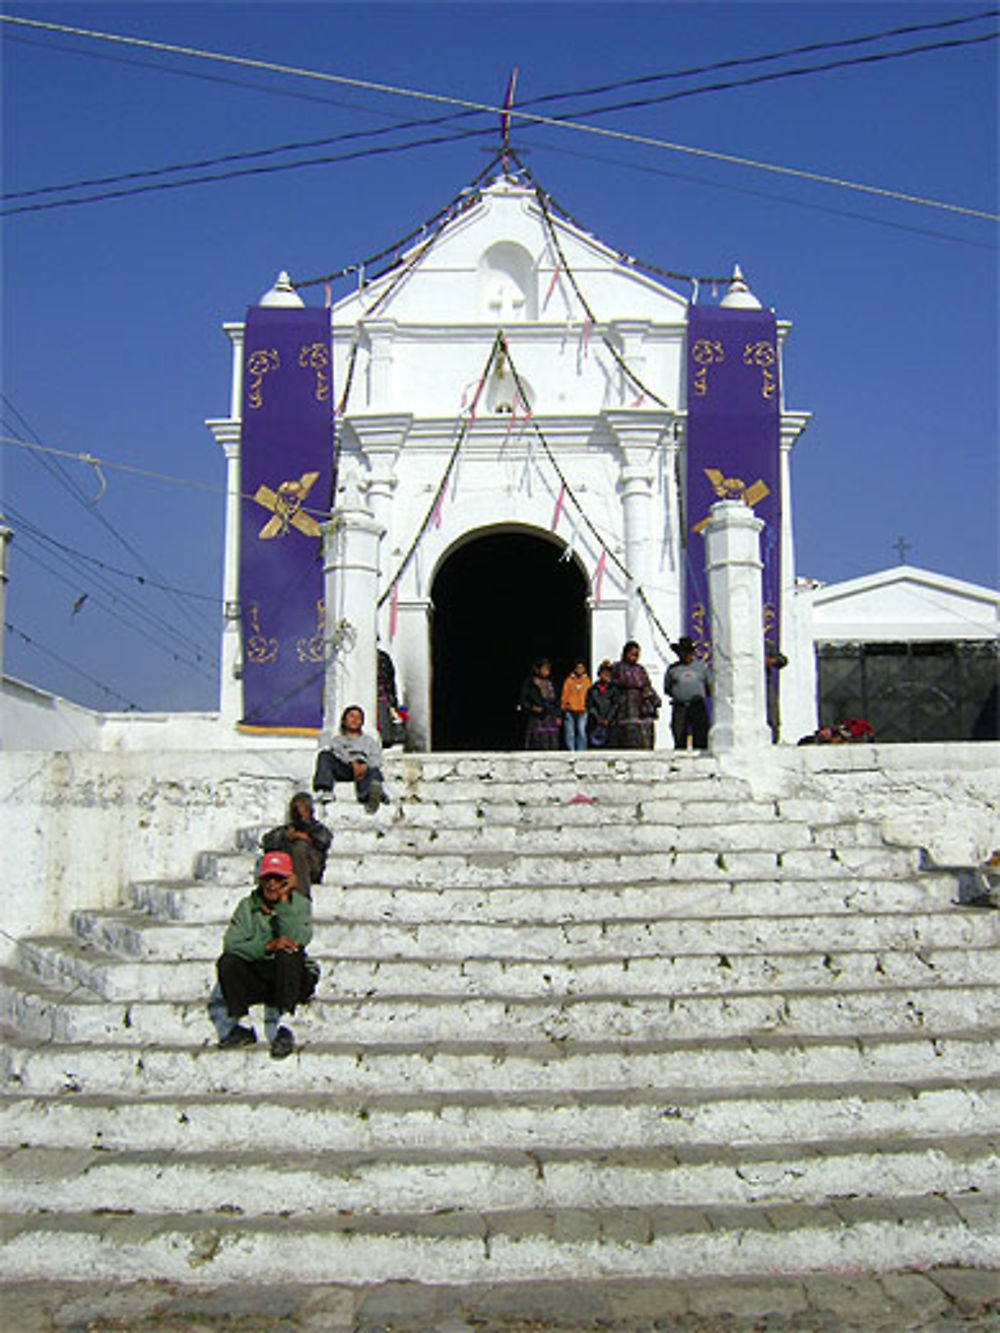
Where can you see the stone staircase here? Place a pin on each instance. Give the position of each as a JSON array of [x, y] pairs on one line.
[[586, 1020]]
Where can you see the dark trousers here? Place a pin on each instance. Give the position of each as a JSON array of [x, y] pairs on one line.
[[330, 769], [283, 980], [690, 719], [307, 863]]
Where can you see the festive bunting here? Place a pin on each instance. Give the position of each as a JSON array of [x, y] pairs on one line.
[[394, 611], [598, 579], [560, 501]]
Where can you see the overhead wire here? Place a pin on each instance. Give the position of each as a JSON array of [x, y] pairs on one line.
[[422, 123], [50, 462], [71, 666], [373, 85]]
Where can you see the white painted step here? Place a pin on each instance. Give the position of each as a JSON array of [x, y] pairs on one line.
[[419, 898], [460, 1122], [501, 1068], [300, 1185], [138, 936], [65, 963], [641, 1244], [54, 1014]]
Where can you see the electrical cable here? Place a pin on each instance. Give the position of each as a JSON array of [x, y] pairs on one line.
[[738, 61], [526, 117], [297, 145], [54, 468], [71, 666], [148, 632]]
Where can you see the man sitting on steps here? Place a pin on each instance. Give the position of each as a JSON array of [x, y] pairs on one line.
[[264, 957]]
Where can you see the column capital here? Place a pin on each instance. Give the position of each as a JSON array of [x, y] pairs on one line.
[[379, 432], [226, 432], [635, 427], [792, 426]]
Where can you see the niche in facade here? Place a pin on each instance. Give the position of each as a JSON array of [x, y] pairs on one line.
[[508, 287]]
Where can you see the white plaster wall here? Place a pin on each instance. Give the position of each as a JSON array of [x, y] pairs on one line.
[[904, 604], [77, 827], [34, 719]]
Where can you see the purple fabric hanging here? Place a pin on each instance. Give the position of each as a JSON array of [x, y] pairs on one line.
[[733, 447], [287, 459]]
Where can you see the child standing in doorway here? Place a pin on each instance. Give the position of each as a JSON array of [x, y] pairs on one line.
[[574, 706]]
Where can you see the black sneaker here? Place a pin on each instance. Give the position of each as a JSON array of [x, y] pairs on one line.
[[374, 797], [239, 1036], [283, 1044]]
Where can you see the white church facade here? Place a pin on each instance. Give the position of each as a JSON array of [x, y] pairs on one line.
[[559, 531]]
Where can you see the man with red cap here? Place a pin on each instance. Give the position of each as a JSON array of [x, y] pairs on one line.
[[264, 958]]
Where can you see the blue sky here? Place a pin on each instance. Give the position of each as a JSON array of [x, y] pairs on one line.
[[112, 310]]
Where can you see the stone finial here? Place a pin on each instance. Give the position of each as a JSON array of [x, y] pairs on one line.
[[282, 293], [738, 295]]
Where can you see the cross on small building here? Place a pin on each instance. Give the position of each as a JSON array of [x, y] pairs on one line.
[[902, 546]]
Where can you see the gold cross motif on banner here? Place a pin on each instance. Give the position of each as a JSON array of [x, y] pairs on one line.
[[733, 488], [285, 505]]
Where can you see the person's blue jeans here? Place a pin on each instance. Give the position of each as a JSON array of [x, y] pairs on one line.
[[575, 730]]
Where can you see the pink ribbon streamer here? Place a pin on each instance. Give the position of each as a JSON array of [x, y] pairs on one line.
[[559, 506], [585, 336], [394, 611], [599, 577], [552, 284]]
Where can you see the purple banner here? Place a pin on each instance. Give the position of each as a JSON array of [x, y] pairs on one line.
[[733, 452], [287, 458]]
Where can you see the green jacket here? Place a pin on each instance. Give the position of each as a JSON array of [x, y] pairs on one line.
[[251, 927]]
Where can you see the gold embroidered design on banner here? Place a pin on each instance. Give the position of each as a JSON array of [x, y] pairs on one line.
[[285, 505], [311, 649], [764, 355], [733, 488], [316, 357], [705, 352], [259, 648], [259, 364]]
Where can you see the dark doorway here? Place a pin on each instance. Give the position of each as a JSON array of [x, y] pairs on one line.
[[500, 602]]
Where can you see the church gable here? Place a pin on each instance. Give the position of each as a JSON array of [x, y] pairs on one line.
[[905, 603], [497, 265]]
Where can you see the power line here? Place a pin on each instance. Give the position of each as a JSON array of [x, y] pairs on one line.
[[295, 146], [527, 117], [774, 76], [739, 61], [89, 506], [71, 666]]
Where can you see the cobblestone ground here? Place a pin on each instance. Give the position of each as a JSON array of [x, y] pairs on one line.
[[941, 1301]]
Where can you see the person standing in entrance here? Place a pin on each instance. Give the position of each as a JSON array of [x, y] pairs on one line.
[[574, 706], [688, 683], [638, 702], [538, 703]]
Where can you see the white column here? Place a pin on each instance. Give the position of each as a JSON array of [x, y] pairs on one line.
[[235, 333], [350, 568], [381, 438], [733, 566], [381, 334], [638, 434], [228, 434], [413, 668]]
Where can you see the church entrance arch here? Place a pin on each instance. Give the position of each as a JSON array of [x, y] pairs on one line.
[[501, 600]]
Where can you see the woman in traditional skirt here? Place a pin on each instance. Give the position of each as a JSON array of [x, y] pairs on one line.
[[638, 702], [539, 705]]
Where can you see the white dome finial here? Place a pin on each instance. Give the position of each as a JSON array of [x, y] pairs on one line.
[[738, 295], [282, 293]]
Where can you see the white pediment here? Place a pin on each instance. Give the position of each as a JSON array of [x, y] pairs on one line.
[[905, 603], [496, 264]]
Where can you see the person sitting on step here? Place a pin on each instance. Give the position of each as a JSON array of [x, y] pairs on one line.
[[305, 839], [355, 756], [264, 957]]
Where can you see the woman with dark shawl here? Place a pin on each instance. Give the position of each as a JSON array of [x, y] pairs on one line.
[[540, 707], [638, 702]]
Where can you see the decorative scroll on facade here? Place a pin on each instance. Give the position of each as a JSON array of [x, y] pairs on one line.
[[733, 451], [286, 464]]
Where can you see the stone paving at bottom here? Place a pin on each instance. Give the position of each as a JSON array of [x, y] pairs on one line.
[[938, 1301]]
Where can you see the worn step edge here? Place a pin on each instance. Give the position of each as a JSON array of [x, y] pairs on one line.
[[670, 1243], [299, 1187]]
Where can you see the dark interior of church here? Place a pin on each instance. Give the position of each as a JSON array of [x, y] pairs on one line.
[[500, 602]]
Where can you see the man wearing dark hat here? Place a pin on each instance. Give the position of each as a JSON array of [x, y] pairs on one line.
[[688, 683], [264, 957]]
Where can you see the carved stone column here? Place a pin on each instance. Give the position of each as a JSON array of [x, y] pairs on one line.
[[638, 434], [733, 566], [350, 568]]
